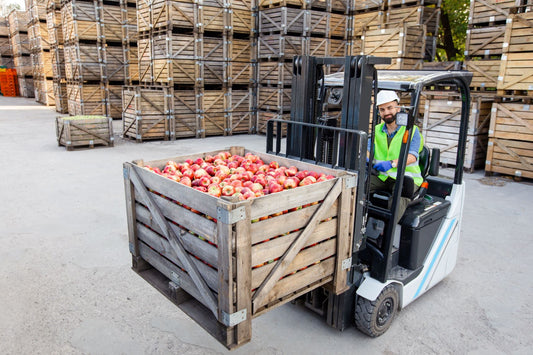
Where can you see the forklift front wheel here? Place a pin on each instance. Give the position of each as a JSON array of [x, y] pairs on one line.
[[375, 317]]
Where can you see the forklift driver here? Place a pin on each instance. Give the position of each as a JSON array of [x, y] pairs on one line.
[[387, 144]]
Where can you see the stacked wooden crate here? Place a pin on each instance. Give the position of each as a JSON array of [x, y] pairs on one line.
[[55, 36], [201, 53], [441, 121], [288, 28], [20, 45], [510, 148], [403, 30], [40, 53], [96, 67], [484, 41], [6, 53]]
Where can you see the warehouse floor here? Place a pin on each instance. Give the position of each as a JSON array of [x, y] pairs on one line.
[[67, 287]]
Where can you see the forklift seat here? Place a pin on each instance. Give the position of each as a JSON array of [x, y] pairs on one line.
[[409, 188]]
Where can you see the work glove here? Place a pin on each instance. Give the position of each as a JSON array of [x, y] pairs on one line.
[[383, 166]]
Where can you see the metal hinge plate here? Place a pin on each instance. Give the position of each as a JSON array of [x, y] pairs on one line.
[[346, 263], [230, 217], [351, 182], [175, 278], [233, 319]]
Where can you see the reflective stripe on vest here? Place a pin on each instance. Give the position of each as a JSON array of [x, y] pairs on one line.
[[384, 152]]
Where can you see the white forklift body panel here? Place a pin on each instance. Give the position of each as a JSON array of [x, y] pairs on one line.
[[439, 263]]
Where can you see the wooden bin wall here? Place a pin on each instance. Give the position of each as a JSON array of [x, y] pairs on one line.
[[146, 112], [244, 263], [91, 131], [510, 148], [484, 42], [485, 73], [401, 42], [440, 128], [516, 71], [490, 12]]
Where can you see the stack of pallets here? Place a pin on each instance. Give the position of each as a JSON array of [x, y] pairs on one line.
[[196, 59], [20, 45], [40, 52], [96, 67], [510, 149], [6, 53], [288, 28], [484, 42], [403, 30], [57, 57]]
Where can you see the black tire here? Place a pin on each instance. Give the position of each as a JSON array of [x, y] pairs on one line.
[[375, 317]]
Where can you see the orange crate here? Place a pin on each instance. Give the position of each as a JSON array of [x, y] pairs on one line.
[[8, 82]]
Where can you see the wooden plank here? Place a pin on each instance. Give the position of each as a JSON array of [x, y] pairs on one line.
[[191, 242], [243, 276], [304, 259], [270, 226], [176, 244], [163, 247], [261, 294]]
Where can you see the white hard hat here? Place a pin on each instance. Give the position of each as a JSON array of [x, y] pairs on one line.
[[385, 96]]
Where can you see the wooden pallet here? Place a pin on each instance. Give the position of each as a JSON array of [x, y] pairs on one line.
[[146, 112], [84, 131], [280, 46], [414, 15], [83, 62], [490, 12], [42, 64], [111, 21], [23, 65], [485, 73], [402, 42], [210, 19], [485, 42], [239, 73], [368, 5], [510, 157], [114, 101], [282, 20], [221, 270], [340, 26], [268, 4], [516, 71], [317, 46]]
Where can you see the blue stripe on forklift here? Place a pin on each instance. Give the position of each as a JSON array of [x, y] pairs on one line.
[[437, 253]]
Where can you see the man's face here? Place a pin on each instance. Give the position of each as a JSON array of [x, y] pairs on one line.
[[388, 111]]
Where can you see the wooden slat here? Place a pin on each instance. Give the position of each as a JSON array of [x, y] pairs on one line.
[[262, 294]]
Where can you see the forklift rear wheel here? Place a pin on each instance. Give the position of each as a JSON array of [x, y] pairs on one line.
[[375, 317]]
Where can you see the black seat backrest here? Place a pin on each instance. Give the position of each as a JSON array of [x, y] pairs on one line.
[[423, 161]]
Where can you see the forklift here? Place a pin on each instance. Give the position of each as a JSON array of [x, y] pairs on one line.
[[392, 264]]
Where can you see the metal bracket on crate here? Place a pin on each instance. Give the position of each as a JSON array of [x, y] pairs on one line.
[[233, 319], [346, 263], [175, 278], [126, 173], [350, 182], [230, 217]]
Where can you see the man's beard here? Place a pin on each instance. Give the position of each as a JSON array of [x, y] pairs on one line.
[[389, 119]]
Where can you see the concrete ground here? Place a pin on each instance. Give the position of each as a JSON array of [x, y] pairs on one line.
[[67, 287]]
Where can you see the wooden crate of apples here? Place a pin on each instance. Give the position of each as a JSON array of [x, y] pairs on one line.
[[240, 231]]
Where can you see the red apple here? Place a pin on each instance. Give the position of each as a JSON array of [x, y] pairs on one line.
[[274, 187], [308, 180], [200, 173], [256, 187], [274, 164], [302, 174], [205, 181], [214, 190], [290, 183], [228, 190], [188, 173], [185, 180], [215, 180], [291, 171]]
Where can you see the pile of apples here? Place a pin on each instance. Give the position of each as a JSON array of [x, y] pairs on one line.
[[233, 175]]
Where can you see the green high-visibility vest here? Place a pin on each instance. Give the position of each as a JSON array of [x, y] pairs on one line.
[[383, 151]]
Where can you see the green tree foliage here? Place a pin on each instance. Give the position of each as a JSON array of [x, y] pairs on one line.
[[452, 31]]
